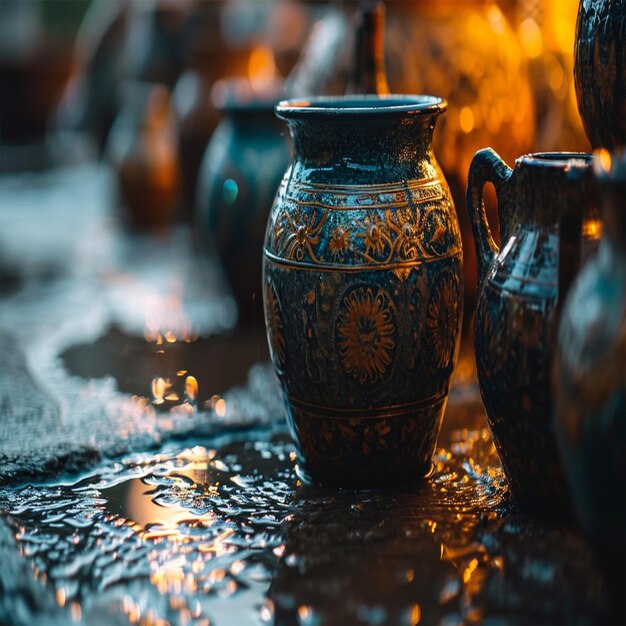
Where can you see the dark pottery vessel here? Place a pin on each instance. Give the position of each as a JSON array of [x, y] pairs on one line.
[[589, 379], [142, 147], [518, 291], [362, 280], [240, 173], [197, 120], [600, 71], [90, 102]]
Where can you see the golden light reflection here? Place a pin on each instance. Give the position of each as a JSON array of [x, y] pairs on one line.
[[60, 596], [531, 38], [473, 564], [592, 229], [151, 520], [603, 159], [261, 68], [466, 120], [160, 387], [304, 612], [267, 611], [415, 614], [179, 572], [75, 611], [191, 388], [220, 407], [166, 320]]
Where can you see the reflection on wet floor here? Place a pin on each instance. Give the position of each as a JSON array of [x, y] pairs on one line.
[[224, 533], [139, 365]]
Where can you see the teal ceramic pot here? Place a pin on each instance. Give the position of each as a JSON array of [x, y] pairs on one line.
[[240, 173], [515, 313], [590, 382], [362, 287]]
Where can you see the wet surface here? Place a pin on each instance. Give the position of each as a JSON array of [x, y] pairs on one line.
[[138, 486], [134, 362], [222, 530]]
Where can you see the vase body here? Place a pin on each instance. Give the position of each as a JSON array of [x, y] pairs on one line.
[[590, 383], [363, 287], [600, 71], [142, 147], [241, 171], [515, 312], [197, 120]]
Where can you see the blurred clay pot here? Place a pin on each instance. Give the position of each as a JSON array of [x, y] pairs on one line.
[[196, 119], [242, 168], [142, 147]]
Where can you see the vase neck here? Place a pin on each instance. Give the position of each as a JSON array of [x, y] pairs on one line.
[[369, 75], [365, 142]]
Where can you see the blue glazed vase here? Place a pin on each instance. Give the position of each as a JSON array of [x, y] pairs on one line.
[[589, 380], [240, 173], [516, 312], [362, 280]]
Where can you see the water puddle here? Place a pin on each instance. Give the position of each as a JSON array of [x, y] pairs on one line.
[[174, 536], [222, 532], [134, 361]]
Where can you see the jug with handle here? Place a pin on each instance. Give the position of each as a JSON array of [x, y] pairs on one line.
[[516, 310]]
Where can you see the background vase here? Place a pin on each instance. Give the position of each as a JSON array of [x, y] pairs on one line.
[[600, 71], [142, 148], [589, 383], [241, 171], [197, 119]]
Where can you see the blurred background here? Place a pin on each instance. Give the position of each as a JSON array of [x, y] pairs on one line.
[[174, 100]]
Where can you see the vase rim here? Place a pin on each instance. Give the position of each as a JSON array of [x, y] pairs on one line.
[[556, 160], [392, 105]]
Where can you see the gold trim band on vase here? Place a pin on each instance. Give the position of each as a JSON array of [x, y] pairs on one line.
[[338, 267]]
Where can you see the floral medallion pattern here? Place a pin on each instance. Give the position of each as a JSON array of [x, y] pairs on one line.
[[365, 334], [339, 243], [442, 321], [298, 234]]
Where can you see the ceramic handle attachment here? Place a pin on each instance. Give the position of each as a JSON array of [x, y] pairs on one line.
[[486, 167]]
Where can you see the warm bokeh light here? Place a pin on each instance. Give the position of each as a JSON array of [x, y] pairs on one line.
[[530, 36], [261, 69]]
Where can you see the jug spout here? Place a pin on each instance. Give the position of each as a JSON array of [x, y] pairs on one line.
[[487, 167]]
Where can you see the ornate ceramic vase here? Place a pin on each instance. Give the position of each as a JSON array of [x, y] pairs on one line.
[[518, 290], [362, 287], [590, 382], [240, 173], [600, 71]]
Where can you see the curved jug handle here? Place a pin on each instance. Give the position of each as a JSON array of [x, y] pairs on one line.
[[486, 167]]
